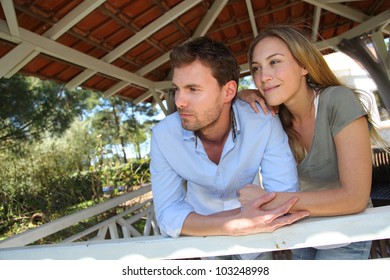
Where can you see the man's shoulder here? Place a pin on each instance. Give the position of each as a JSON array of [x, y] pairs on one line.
[[246, 113]]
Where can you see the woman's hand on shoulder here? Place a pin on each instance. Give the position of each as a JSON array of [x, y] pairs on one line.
[[253, 96]]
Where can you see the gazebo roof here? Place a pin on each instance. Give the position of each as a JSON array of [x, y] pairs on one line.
[[121, 47]]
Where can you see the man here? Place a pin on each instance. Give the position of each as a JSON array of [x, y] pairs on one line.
[[211, 147]]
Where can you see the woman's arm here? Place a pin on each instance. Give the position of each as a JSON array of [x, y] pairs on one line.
[[355, 171]]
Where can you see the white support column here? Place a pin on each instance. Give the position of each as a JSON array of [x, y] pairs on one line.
[[159, 101], [316, 24], [382, 51]]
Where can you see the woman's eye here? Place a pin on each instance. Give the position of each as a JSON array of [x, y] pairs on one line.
[[255, 69], [274, 61]]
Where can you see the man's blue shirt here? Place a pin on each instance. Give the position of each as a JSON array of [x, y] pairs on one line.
[[184, 180]]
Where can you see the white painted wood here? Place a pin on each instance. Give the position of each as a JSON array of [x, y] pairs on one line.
[[65, 53], [40, 232], [138, 38], [340, 9], [372, 224], [116, 88], [209, 18], [10, 16], [72, 18], [252, 17], [382, 52], [16, 59], [67, 22], [158, 101], [380, 20], [316, 23]]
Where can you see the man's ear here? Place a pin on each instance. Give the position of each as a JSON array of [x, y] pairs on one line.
[[230, 90]]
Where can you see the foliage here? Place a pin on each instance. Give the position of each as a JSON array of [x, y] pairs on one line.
[[46, 188], [117, 123], [31, 108], [58, 149]]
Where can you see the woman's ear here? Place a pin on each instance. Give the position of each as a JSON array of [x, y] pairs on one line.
[[304, 71], [231, 90]]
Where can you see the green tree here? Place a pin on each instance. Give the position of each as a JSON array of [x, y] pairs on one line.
[[31, 108], [120, 123]]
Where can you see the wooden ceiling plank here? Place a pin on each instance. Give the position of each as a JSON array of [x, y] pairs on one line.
[[72, 18], [140, 36], [150, 29], [203, 27], [10, 15], [142, 97], [53, 33], [376, 22], [340, 10], [118, 87], [200, 31], [72, 56], [209, 18]]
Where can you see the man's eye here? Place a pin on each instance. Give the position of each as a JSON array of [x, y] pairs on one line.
[[256, 68]]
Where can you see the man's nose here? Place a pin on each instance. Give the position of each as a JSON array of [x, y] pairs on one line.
[[180, 100]]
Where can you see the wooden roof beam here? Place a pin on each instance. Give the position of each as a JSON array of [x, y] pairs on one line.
[[55, 49], [136, 39], [252, 17], [10, 15], [372, 24], [203, 27], [24, 52]]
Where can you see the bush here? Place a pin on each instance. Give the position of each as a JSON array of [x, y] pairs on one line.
[[53, 193]]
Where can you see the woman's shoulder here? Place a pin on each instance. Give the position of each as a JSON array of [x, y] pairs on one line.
[[333, 91], [337, 95]]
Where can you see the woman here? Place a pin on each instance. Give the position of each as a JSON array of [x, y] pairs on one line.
[[328, 130]]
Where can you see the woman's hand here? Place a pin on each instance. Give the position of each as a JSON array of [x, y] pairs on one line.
[[248, 193], [253, 96]]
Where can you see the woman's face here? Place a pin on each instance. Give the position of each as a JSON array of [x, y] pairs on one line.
[[276, 73]]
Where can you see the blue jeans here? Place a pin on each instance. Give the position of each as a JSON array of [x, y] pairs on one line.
[[353, 251], [261, 256]]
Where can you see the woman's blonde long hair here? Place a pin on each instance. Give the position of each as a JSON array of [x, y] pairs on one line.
[[319, 76]]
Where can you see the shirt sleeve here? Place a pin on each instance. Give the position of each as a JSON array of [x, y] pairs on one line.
[[278, 167], [168, 193], [343, 108]]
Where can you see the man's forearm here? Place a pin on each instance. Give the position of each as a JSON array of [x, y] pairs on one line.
[[215, 224], [250, 220]]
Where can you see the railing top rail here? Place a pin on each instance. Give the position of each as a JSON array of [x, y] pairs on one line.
[[372, 224]]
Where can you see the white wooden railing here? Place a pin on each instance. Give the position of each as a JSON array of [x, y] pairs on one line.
[[372, 224], [141, 207]]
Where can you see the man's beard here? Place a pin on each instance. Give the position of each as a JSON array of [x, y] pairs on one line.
[[209, 118]]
